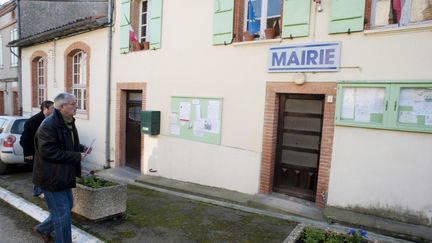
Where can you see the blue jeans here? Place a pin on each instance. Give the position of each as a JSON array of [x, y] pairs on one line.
[[36, 191], [59, 220]]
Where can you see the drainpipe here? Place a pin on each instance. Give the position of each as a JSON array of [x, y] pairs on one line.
[[20, 99], [108, 90]]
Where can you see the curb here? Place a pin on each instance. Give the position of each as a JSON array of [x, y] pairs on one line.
[[78, 235]]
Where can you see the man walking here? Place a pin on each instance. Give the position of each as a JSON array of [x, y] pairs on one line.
[[27, 137], [56, 164]]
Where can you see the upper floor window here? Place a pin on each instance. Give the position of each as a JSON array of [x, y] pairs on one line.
[[262, 16], [400, 12], [144, 27], [1, 51], [41, 81], [14, 50], [79, 79]]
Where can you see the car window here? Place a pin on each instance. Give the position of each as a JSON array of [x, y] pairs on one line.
[[2, 124], [18, 126]]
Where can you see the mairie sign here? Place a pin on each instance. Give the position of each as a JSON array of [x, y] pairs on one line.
[[316, 57]]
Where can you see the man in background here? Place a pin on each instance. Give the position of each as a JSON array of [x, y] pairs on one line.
[[27, 137]]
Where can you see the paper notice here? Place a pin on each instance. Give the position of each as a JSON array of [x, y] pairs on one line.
[[173, 118], [213, 110], [185, 110], [348, 104], [362, 115], [197, 112], [198, 128], [407, 117]]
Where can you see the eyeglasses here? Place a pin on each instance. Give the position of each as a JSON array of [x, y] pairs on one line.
[[72, 104]]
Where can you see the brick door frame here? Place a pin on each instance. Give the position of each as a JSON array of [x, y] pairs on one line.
[[273, 89], [120, 135]]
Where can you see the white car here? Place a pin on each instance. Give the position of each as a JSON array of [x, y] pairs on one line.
[[11, 152]]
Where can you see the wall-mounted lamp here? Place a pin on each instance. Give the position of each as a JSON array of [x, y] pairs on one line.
[[299, 78], [319, 5]]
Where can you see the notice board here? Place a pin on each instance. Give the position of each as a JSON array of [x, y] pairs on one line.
[[196, 118]]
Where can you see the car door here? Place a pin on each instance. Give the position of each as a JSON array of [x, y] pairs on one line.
[[16, 130]]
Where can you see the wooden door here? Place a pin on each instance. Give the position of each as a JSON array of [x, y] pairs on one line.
[[133, 131], [298, 145], [15, 103]]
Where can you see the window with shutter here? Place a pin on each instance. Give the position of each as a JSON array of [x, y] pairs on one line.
[[396, 13]]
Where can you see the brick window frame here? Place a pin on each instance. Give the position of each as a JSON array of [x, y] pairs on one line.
[[268, 157], [120, 135], [36, 56], [68, 57]]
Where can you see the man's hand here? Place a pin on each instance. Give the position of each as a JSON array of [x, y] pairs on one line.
[[30, 157], [88, 150], [83, 155]]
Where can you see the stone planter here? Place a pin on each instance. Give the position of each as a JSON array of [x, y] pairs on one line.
[[99, 203]]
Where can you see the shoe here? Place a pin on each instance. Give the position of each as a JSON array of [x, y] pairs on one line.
[[42, 196], [46, 238]]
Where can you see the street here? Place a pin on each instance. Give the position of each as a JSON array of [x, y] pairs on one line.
[[15, 226]]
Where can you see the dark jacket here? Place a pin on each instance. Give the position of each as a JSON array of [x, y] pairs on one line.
[[57, 158], [27, 137]]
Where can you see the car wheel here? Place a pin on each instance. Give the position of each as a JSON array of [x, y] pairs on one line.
[[3, 168]]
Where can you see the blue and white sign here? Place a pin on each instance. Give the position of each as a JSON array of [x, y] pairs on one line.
[[317, 57]]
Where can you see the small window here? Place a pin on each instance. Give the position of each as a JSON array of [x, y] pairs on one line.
[[400, 12], [144, 22], [261, 15], [41, 80], [1, 51], [394, 106], [14, 50], [79, 79], [134, 113]]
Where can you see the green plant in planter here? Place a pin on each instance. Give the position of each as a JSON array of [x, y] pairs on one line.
[[94, 182], [311, 235]]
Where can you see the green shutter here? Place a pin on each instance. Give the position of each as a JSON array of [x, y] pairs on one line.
[[346, 16], [296, 18], [155, 24], [124, 26], [223, 21]]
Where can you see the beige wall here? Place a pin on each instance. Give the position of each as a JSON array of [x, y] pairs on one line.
[[188, 64], [374, 168], [93, 125]]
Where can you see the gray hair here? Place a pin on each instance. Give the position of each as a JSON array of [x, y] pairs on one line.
[[62, 98]]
